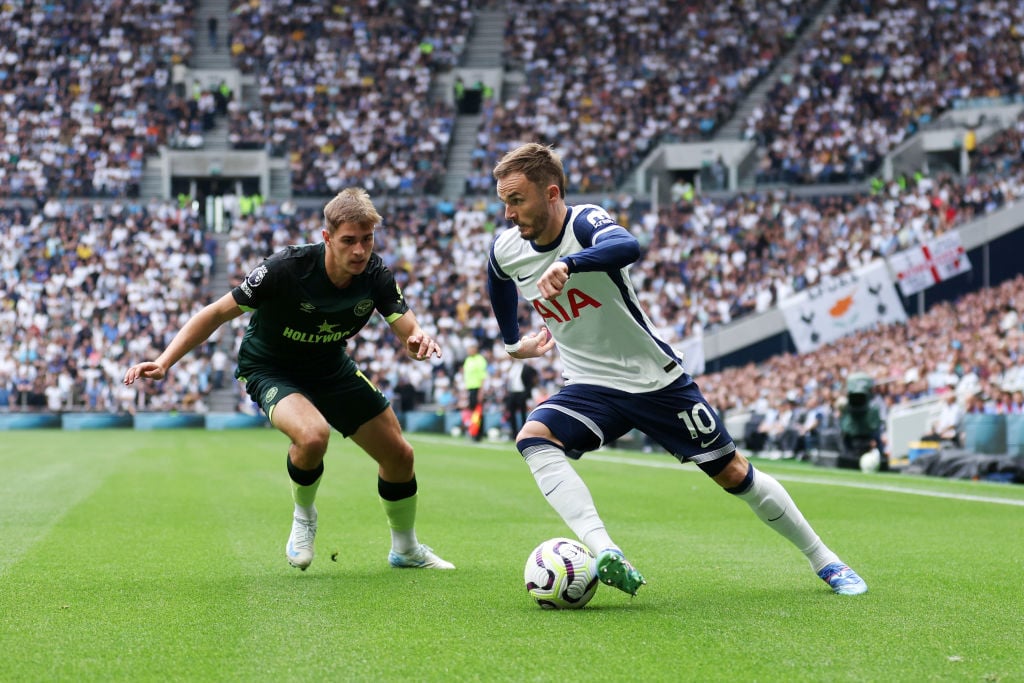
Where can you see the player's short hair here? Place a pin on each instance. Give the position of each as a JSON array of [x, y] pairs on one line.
[[540, 164], [351, 205]]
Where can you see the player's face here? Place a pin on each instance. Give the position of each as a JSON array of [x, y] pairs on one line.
[[348, 250], [528, 206]]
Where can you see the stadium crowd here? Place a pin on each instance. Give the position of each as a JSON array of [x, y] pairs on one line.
[[344, 91], [80, 279], [85, 91], [973, 347], [91, 90], [84, 104], [875, 73], [88, 286], [638, 75]]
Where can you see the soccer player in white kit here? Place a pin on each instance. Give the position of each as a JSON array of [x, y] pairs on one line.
[[571, 263]]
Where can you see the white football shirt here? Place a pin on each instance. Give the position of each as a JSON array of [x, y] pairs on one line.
[[602, 333]]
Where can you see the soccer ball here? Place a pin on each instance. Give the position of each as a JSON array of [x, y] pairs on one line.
[[870, 461], [561, 574]]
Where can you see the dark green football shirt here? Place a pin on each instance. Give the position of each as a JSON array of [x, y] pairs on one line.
[[300, 321]]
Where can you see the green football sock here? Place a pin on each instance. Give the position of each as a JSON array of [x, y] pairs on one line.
[[304, 497], [401, 516]]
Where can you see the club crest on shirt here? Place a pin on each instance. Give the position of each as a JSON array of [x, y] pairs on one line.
[[363, 307]]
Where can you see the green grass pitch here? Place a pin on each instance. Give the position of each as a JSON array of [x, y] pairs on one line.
[[159, 556]]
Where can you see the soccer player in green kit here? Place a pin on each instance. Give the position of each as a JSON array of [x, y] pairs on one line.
[[306, 302]]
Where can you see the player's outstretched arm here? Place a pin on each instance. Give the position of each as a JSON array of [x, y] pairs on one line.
[[418, 344], [197, 330]]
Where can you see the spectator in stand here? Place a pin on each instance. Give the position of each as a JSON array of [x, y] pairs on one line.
[[211, 32], [946, 427]]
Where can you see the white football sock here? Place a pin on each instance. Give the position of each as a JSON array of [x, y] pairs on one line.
[[568, 495], [774, 506]]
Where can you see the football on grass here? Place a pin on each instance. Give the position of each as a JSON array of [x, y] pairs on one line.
[[561, 574]]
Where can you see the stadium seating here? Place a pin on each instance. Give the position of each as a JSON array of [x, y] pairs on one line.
[[707, 262], [868, 79], [343, 91], [87, 93], [638, 75], [985, 433]]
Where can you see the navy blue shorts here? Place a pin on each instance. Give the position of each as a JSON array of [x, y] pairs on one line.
[[584, 417]]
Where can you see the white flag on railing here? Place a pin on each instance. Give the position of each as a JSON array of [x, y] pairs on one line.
[[839, 306], [921, 267]]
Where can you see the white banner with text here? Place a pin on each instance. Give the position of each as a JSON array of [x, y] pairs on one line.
[[838, 306]]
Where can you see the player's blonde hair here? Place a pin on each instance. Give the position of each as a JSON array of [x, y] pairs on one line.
[[540, 164], [351, 205]]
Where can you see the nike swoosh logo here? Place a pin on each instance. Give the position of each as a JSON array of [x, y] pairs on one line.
[[705, 445], [524, 278], [548, 493]]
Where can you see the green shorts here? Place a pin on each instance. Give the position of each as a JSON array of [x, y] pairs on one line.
[[346, 397]]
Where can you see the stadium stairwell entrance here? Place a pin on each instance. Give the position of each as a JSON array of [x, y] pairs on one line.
[[219, 199]]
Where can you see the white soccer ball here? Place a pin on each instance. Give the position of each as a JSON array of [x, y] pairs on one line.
[[871, 461], [455, 431], [561, 574]]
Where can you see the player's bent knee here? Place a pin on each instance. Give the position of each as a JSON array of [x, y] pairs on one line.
[[715, 468], [312, 441], [535, 430], [397, 458], [404, 455]]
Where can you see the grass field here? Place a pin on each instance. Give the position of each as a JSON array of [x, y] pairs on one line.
[[159, 556]]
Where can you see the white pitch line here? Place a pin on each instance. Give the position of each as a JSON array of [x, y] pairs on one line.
[[671, 463], [828, 482]]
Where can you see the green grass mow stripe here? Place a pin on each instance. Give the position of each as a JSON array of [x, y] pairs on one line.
[[46, 474], [159, 556]]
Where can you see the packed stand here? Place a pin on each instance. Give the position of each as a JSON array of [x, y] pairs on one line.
[[85, 288], [877, 72], [1000, 155], [84, 90], [607, 81], [344, 90], [973, 348], [705, 263], [717, 260]]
